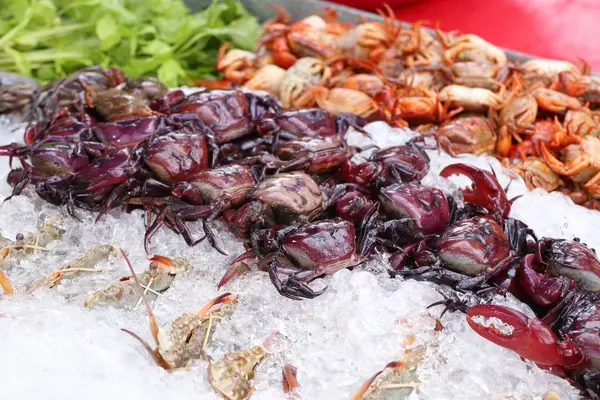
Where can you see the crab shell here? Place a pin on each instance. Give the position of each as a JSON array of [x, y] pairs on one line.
[[327, 154], [182, 339], [310, 122], [416, 161], [521, 110], [574, 260], [58, 158], [328, 244], [231, 183], [537, 174], [470, 134], [290, 196], [226, 112], [126, 133], [474, 245], [306, 72], [114, 104], [470, 99], [176, 156], [426, 206], [267, 78], [230, 376]]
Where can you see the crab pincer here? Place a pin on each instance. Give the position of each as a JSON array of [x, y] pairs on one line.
[[529, 337], [485, 191]]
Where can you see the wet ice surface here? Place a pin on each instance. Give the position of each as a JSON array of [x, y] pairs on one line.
[[52, 346]]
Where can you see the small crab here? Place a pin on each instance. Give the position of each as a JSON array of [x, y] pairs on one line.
[[267, 78], [306, 72], [581, 162], [537, 174], [549, 68], [342, 100], [230, 375], [25, 246], [85, 263], [471, 99], [554, 101], [469, 134], [155, 280], [183, 340], [398, 380]]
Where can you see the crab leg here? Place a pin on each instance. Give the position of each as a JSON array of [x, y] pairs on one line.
[[290, 382], [5, 283]]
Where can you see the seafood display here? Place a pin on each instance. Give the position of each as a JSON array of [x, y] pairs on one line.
[[265, 157], [462, 89]]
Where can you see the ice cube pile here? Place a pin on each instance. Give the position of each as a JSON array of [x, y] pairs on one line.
[[52, 347]]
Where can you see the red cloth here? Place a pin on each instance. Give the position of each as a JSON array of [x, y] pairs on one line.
[[562, 29]]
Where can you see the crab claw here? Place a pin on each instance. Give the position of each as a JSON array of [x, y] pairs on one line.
[[237, 268], [545, 290], [528, 337], [485, 190], [166, 261], [221, 299]]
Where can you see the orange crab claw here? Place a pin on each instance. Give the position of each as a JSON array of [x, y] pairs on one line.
[[166, 261], [222, 299]]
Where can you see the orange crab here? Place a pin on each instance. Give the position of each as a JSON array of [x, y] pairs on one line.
[[371, 39], [310, 37], [238, 66], [580, 162], [470, 134], [404, 105]]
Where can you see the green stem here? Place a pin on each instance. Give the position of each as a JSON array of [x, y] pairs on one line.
[[4, 40], [48, 32], [45, 56], [76, 4]]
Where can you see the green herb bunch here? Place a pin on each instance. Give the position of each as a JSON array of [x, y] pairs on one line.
[[48, 39]]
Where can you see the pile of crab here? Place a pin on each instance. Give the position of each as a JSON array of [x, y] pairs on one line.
[[287, 184], [539, 116]]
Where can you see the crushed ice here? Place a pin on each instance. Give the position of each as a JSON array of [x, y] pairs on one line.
[[53, 347]]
